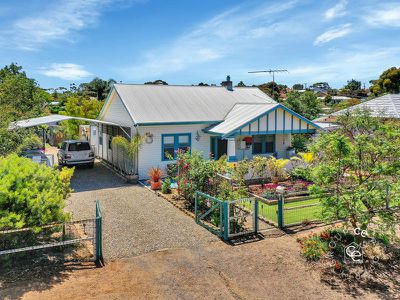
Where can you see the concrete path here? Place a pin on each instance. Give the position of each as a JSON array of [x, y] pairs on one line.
[[136, 221]]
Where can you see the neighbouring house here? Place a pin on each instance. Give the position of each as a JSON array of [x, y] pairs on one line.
[[386, 106], [235, 121]]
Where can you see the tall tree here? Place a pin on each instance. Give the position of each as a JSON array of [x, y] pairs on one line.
[[272, 89], [388, 82], [79, 106], [20, 97], [298, 86], [97, 88], [157, 82], [358, 162], [241, 84], [306, 104]]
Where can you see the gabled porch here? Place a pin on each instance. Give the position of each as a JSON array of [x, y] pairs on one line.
[[257, 129]]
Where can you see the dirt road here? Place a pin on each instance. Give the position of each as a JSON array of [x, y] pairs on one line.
[[268, 269]]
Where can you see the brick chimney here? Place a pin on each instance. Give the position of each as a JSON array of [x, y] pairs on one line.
[[227, 83]]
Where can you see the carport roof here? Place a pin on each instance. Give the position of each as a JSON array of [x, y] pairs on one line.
[[52, 119]]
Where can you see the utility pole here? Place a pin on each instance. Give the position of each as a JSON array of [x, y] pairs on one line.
[[270, 71]]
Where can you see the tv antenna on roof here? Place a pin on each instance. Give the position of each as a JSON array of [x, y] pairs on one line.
[[270, 71]]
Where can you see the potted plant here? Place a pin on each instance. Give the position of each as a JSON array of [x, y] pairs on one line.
[[155, 178], [131, 149], [276, 168]]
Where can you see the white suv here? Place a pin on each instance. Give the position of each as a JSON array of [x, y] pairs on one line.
[[75, 152]]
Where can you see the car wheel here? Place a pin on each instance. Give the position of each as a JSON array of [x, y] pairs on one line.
[[91, 165]]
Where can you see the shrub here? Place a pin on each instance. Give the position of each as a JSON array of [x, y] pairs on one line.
[[195, 174], [314, 247], [301, 172], [166, 186], [31, 194]]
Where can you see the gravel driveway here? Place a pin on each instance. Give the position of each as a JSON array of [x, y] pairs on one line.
[[135, 220]]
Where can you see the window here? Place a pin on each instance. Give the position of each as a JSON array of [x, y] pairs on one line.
[[258, 144], [270, 143], [171, 143], [79, 146], [263, 144]]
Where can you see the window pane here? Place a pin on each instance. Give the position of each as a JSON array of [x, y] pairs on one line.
[[168, 153], [168, 141], [269, 138], [183, 139], [270, 147], [257, 148]]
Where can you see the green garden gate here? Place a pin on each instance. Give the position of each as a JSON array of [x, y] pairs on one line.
[[227, 219]]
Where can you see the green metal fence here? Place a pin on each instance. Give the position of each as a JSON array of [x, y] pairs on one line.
[[86, 232], [99, 233], [227, 219]]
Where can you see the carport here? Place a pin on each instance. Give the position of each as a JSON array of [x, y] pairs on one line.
[[101, 134]]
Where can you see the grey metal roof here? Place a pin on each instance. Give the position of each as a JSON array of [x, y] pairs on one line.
[[51, 119], [240, 115], [174, 104], [387, 106]]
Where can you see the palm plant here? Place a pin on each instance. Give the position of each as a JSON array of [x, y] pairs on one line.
[[131, 148]]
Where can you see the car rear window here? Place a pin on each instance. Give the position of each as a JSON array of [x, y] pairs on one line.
[[79, 147]]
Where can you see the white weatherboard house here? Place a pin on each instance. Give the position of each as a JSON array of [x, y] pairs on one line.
[[239, 122]]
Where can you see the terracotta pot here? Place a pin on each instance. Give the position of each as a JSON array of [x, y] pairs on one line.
[[155, 185]]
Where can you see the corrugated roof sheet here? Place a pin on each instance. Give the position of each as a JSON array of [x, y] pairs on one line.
[[173, 104], [387, 106], [240, 115]]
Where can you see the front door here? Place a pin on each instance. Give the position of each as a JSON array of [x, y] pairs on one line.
[[219, 147], [222, 148]]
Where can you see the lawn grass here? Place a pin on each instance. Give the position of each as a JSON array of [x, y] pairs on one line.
[[269, 211]]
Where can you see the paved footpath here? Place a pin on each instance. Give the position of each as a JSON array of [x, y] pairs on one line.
[[136, 221]]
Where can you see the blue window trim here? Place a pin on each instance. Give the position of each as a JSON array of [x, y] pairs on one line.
[[176, 143], [263, 144]]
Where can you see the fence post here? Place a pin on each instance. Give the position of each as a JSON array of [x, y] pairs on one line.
[[387, 196], [226, 219], [281, 200], [255, 212], [195, 207], [99, 235]]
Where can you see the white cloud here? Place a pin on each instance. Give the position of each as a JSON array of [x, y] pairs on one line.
[[222, 35], [66, 71], [58, 21], [339, 66], [336, 11], [390, 17], [332, 34]]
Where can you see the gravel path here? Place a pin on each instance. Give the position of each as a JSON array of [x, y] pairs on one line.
[[136, 221]]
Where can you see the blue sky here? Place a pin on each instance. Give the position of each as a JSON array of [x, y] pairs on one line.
[[187, 42]]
